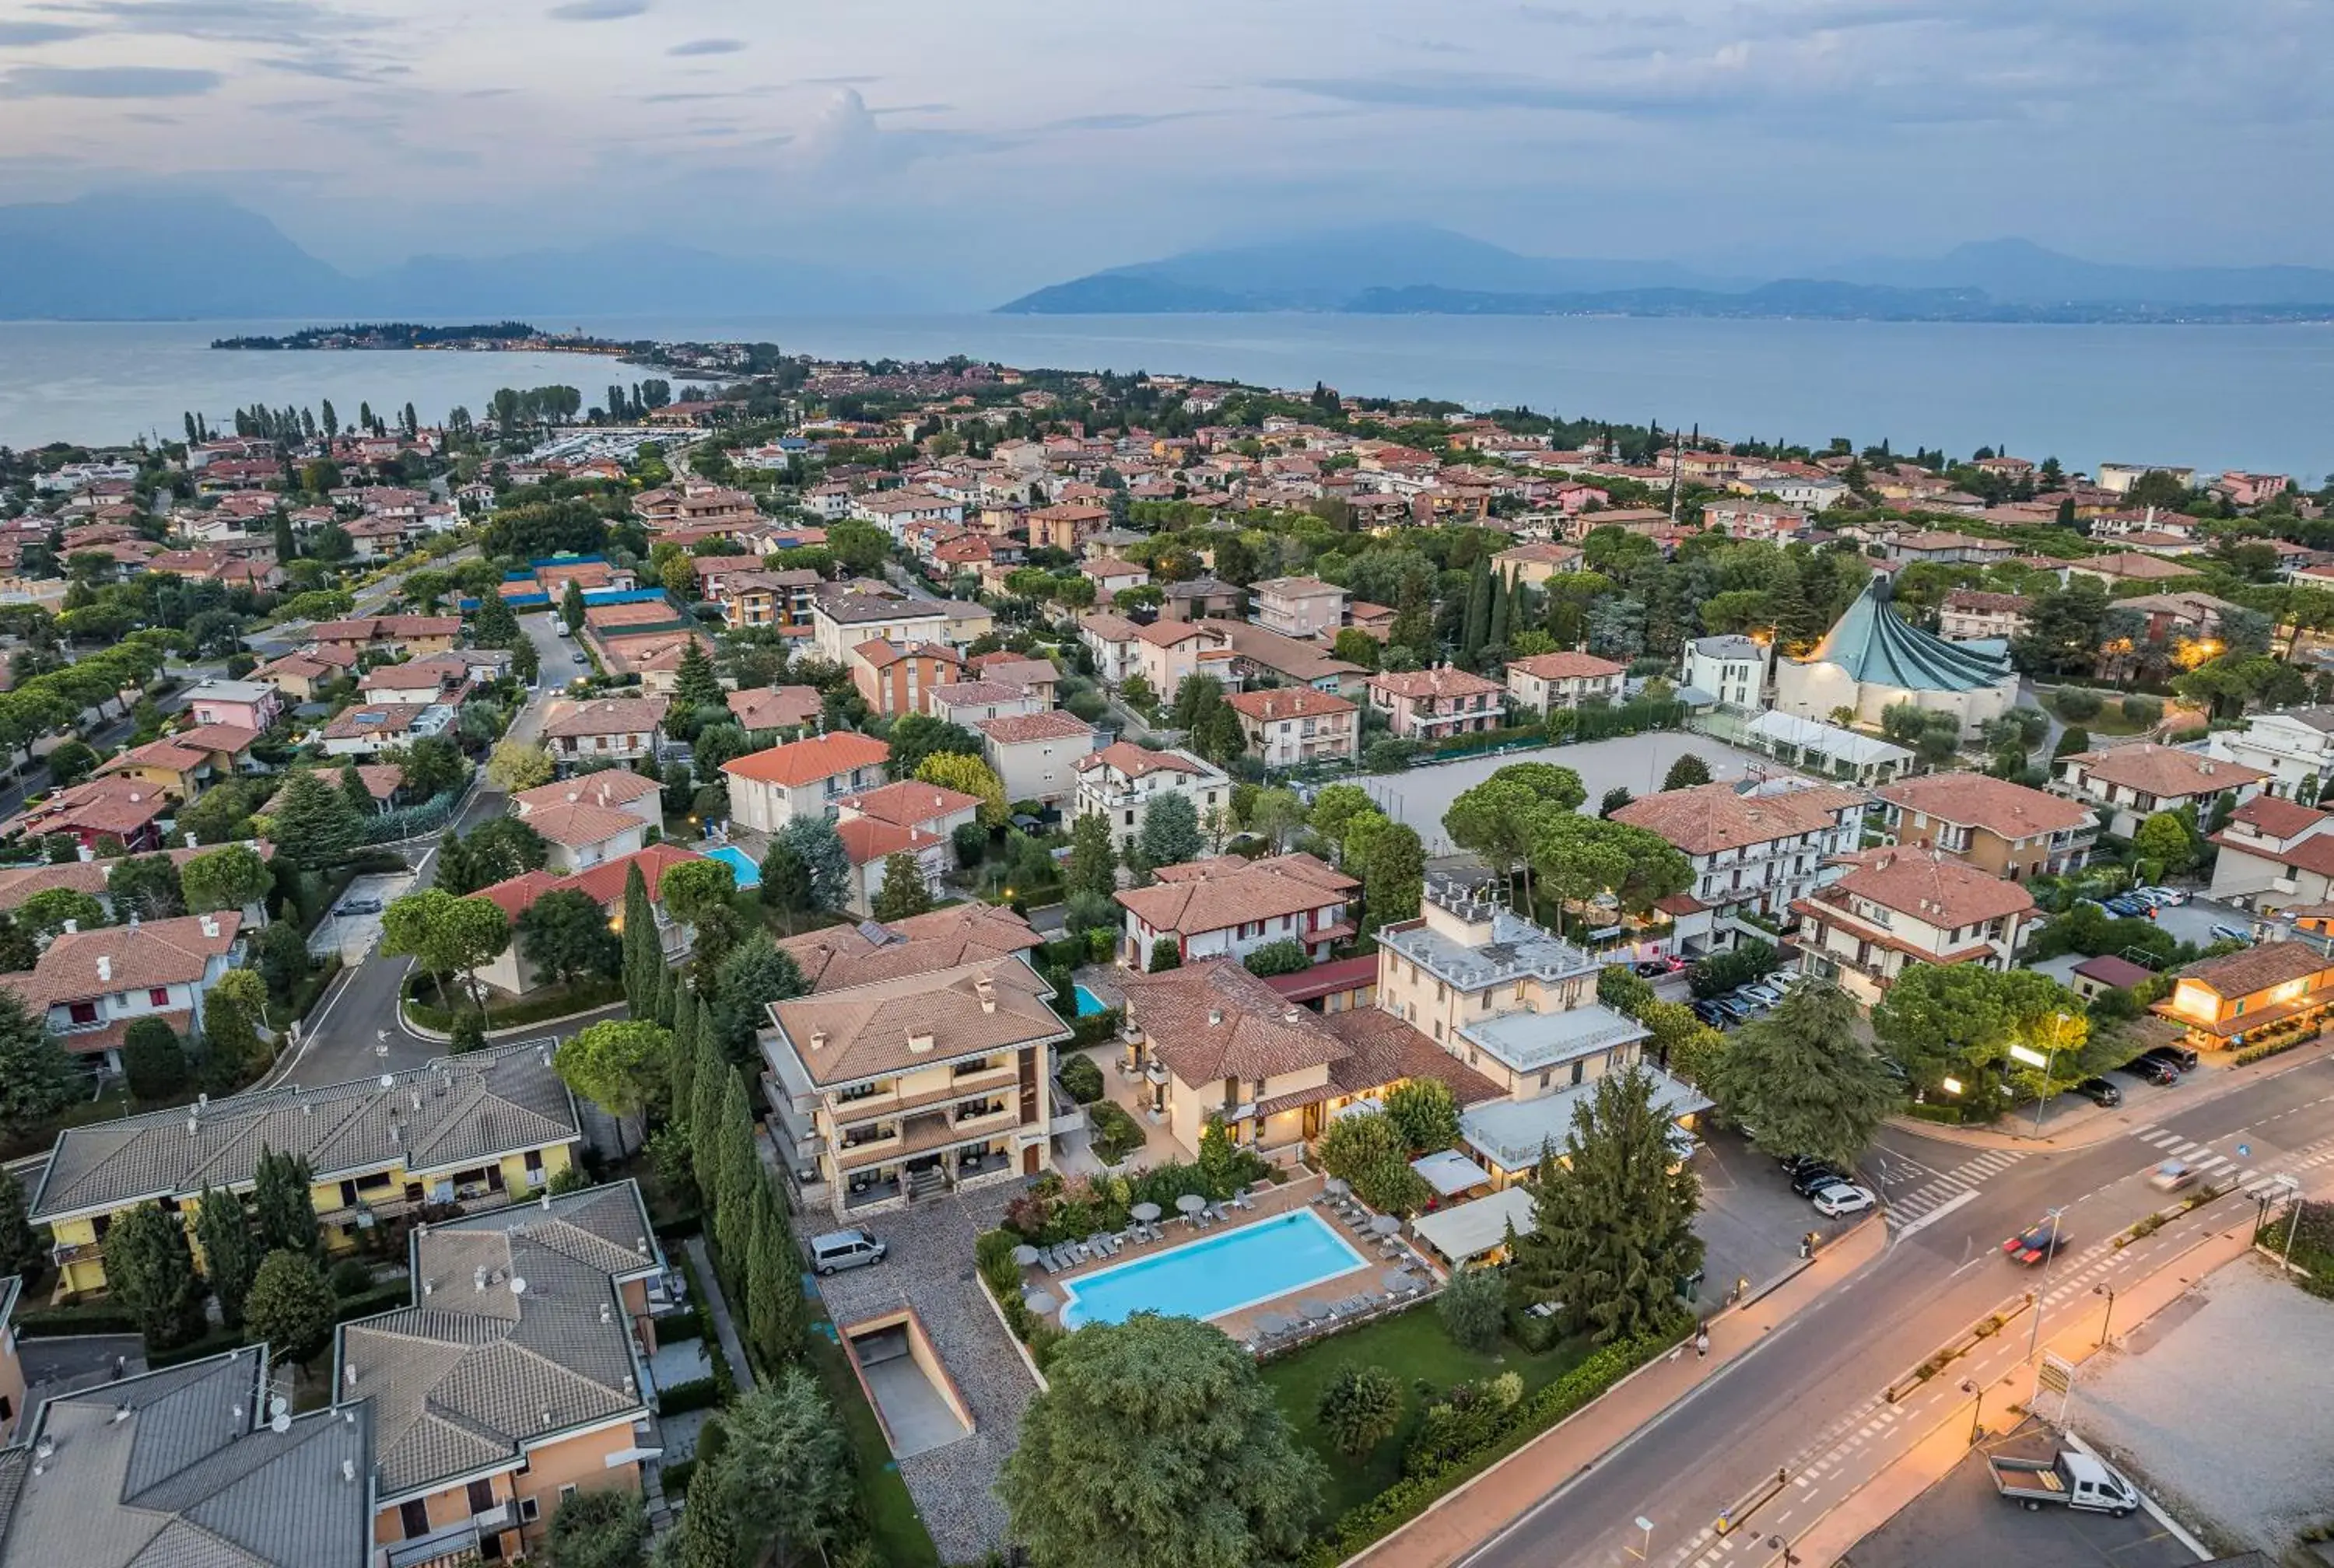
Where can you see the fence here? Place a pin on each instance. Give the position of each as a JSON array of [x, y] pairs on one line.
[[413, 822]]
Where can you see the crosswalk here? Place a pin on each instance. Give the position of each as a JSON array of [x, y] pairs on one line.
[[1945, 1186], [2213, 1164]]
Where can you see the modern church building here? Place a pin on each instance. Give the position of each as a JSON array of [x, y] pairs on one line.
[[1874, 659]]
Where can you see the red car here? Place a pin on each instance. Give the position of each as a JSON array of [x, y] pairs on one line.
[[2031, 1246]]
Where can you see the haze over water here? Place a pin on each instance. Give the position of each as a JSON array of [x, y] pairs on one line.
[[2214, 396]]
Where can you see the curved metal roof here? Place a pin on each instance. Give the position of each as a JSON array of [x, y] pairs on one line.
[[1876, 646]]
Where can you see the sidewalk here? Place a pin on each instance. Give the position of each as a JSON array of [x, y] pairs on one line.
[[733, 1349], [2074, 1335], [1465, 1519], [2084, 1124]]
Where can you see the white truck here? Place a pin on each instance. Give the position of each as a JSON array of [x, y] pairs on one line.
[[2076, 1480]]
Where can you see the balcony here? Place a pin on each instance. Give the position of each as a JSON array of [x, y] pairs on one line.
[[66, 1253], [877, 1106], [451, 1545]]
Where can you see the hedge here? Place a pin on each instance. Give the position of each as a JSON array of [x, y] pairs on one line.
[[1946, 1115], [2246, 1054], [379, 1299], [696, 1394], [1095, 1028], [55, 1322], [1412, 1496], [558, 1003]]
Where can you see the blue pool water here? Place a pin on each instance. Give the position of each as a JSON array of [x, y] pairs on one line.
[[749, 875], [1215, 1274], [1089, 1002]]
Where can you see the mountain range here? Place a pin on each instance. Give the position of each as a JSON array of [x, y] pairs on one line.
[[1421, 269], [121, 256]]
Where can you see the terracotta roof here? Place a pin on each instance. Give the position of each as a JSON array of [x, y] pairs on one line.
[[1380, 1049], [603, 884], [1298, 587], [882, 654], [1327, 979], [1108, 627], [415, 675], [574, 826], [166, 753], [1567, 665], [1052, 724], [18, 883], [1975, 600], [1217, 894], [774, 706], [2010, 810], [2278, 817], [972, 693], [605, 716], [802, 762], [1287, 702], [1286, 656], [1213, 1020], [2163, 770], [1930, 887], [2109, 971], [1168, 633], [1711, 818], [1444, 681], [1110, 566], [609, 787], [841, 956], [172, 952], [378, 720], [1134, 761], [101, 805], [867, 840], [1014, 670], [2130, 563], [909, 803], [2257, 968], [1550, 553], [868, 1031]]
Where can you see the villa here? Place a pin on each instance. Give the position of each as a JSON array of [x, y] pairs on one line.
[[1230, 906], [1119, 782], [803, 778]]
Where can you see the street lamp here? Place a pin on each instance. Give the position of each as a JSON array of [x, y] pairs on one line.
[[2294, 1202], [1977, 1410], [2107, 1323], [2034, 1338], [2033, 1058]]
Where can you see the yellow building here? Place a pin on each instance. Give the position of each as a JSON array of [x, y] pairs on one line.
[[462, 1132]]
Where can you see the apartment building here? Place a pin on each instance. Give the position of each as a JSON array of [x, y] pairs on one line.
[[1516, 1007], [1893, 906], [752, 597], [604, 728], [2274, 854], [1229, 907], [892, 677], [2127, 785], [1533, 564], [965, 703], [88, 986], [245, 704], [1166, 653], [517, 1378], [1430, 706], [916, 1084], [2294, 746], [1110, 638], [1542, 682], [1121, 779], [1972, 615], [1762, 521], [768, 789], [1288, 727], [1994, 825], [1036, 754], [475, 1131], [1203, 598], [768, 708], [1733, 669], [1299, 606], [1754, 847], [841, 622], [1262, 654]]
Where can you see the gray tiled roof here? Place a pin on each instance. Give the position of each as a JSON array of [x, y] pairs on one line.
[[453, 1111], [180, 1469], [473, 1368]]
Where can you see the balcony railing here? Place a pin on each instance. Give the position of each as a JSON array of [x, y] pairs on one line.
[[450, 1544]]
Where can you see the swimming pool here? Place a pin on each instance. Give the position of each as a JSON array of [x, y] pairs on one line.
[[749, 875], [1089, 1002], [1215, 1274]]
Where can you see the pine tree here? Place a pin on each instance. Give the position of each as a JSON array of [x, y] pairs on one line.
[[150, 1273], [230, 1256], [352, 785], [315, 826], [903, 893], [774, 1298], [695, 685]]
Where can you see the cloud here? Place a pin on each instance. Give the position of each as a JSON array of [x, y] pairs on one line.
[[597, 10], [281, 21], [1120, 122], [22, 34], [845, 139], [709, 46], [106, 82]]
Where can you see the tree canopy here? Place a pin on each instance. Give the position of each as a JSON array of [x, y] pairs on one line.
[[1801, 1081]]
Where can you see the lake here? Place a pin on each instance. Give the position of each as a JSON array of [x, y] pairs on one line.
[[2216, 397]]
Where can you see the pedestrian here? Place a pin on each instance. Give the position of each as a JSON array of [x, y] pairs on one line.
[[1702, 1343]]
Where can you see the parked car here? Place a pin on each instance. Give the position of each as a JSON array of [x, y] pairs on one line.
[[1766, 994], [2232, 934], [2099, 1092], [2164, 895], [2127, 908], [2172, 1176], [2178, 1056], [2032, 1246], [2148, 1070], [1843, 1198], [1735, 1007], [1711, 1014], [845, 1249], [360, 907], [1814, 1177]]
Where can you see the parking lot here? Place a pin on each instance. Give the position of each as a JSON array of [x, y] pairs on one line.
[[352, 935], [1751, 1222]]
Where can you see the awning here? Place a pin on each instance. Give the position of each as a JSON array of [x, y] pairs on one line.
[[1472, 1229], [1451, 1172]]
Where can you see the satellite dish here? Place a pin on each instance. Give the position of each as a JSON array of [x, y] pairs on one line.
[[518, 1285], [388, 1081], [279, 1423], [278, 1405]]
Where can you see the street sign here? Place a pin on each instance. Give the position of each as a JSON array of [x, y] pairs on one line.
[[2244, 1151]]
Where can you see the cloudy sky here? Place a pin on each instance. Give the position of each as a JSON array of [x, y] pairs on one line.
[[1001, 144]]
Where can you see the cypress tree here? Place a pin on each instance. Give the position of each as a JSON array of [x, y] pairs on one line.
[[773, 1297], [711, 1071], [1479, 614], [230, 1255], [681, 1067], [739, 1171], [643, 958], [281, 1206], [20, 1249], [1503, 592]]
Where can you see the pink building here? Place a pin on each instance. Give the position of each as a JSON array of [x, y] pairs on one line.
[[1433, 705], [245, 704]]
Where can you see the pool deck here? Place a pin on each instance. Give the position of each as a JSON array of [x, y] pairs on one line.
[[1269, 1202]]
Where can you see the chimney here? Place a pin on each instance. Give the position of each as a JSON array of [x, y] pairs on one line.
[[71, 926], [919, 1042], [210, 926], [134, 919], [986, 989], [105, 968], [1215, 1015], [818, 1040]]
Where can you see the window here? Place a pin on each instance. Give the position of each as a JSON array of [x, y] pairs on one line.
[[1576, 1068], [158, 997], [82, 1012], [529, 1510], [567, 1491], [481, 1496], [413, 1518]]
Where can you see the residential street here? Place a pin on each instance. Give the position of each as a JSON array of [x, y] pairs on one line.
[[344, 1037], [1785, 1402]]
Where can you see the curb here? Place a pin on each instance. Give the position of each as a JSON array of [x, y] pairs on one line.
[[422, 1032]]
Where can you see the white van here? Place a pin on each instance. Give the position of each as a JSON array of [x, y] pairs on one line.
[[845, 1249]]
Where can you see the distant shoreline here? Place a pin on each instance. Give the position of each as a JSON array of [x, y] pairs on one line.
[[488, 337]]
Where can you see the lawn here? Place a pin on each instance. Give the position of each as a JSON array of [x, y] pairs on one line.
[[899, 1534], [1413, 1347], [2109, 720]]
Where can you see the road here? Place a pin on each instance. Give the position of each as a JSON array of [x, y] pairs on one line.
[[1940, 1272], [344, 1037]]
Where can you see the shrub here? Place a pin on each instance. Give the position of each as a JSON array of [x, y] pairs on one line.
[[1081, 1079], [350, 1277], [1474, 1308], [1360, 1409], [1739, 965], [152, 1059], [1287, 956], [1166, 954], [2139, 709], [2075, 705], [1117, 1134]]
